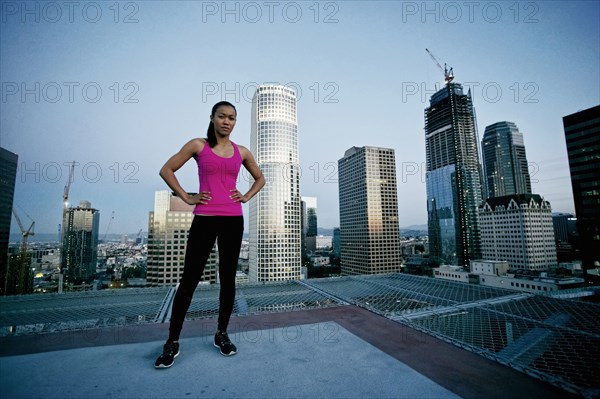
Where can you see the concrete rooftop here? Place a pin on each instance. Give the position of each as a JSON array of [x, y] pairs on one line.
[[392, 336], [342, 352]]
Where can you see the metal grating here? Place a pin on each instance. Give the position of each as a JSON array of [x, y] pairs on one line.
[[259, 298], [41, 313], [557, 340]]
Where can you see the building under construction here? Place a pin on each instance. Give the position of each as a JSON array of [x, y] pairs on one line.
[[80, 242], [453, 176]]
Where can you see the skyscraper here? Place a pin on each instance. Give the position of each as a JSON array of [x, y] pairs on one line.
[[80, 242], [582, 133], [8, 174], [309, 225], [518, 228], [453, 177], [168, 228], [275, 214], [504, 160], [369, 229]]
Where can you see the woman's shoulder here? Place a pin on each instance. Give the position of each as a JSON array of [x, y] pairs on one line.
[[195, 146], [243, 150]]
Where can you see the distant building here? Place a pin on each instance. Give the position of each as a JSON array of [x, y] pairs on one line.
[[244, 251], [310, 217], [490, 267], [533, 283], [565, 227], [275, 221], [452, 273], [324, 242], [566, 236], [241, 277], [582, 134], [453, 177], [309, 225], [336, 242], [504, 160], [319, 260], [80, 243], [369, 229], [407, 247], [518, 229], [497, 274], [168, 228], [8, 175]]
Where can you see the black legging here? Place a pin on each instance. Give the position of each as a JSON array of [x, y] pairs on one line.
[[227, 230]]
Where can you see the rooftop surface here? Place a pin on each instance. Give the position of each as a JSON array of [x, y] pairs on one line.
[[395, 335]]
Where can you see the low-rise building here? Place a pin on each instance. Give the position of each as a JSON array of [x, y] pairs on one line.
[[497, 274], [451, 272], [535, 283]]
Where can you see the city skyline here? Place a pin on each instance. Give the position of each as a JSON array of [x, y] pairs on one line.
[[158, 84]]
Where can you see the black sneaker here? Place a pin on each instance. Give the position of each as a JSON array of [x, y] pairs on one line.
[[170, 352], [222, 342]]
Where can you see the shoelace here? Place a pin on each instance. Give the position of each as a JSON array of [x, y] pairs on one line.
[[224, 338], [171, 348]]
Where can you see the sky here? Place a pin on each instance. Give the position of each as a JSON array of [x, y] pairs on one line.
[[119, 87]]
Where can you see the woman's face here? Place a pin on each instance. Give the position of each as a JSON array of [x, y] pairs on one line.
[[224, 120]]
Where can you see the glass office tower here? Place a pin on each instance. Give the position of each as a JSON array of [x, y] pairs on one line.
[[504, 160], [453, 177], [275, 215]]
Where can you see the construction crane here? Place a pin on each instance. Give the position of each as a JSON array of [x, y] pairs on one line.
[[448, 73], [22, 275], [112, 216], [64, 214], [67, 188]]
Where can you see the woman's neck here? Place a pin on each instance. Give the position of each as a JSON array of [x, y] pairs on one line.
[[223, 140]]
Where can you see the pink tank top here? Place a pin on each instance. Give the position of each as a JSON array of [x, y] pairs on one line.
[[218, 175]]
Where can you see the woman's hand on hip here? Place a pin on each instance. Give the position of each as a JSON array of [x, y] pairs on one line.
[[201, 198], [236, 196]]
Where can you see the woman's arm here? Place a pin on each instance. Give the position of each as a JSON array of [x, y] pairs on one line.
[[252, 167], [167, 172]]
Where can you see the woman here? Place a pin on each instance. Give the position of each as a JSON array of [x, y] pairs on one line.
[[218, 216]]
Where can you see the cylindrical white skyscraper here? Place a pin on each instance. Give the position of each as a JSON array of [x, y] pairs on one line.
[[275, 230]]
